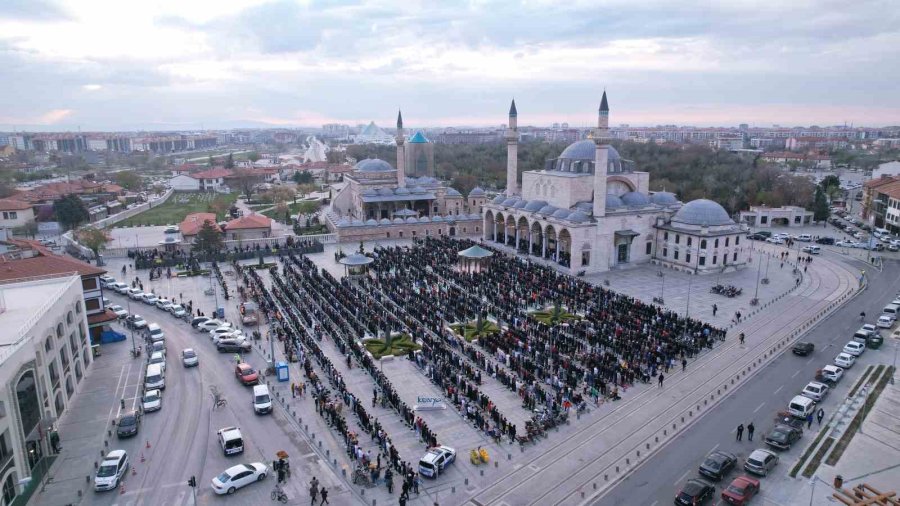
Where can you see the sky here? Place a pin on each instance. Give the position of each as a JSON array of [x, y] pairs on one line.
[[105, 65]]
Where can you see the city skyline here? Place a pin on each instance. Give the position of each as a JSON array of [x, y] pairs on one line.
[[259, 64]]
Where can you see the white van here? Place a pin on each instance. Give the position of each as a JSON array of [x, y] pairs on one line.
[[801, 406], [230, 440], [881, 231], [155, 378], [156, 333], [891, 310], [262, 401]]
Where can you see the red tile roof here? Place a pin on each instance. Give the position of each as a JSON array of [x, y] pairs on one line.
[[250, 221], [13, 205], [212, 174], [43, 265], [194, 222], [881, 181], [106, 316]]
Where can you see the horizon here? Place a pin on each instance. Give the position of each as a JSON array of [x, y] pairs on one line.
[[205, 65]]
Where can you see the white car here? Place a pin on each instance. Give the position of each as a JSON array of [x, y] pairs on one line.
[[111, 471], [121, 288], [149, 298], [178, 311], [118, 310], [775, 240], [107, 281], [157, 357], [239, 476], [815, 391], [236, 335], [189, 357], [163, 303], [854, 348], [152, 401], [844, 360], [869, 328], [436, 461], [135, 294], [832, 373], [885, 321], [209, 325], [223, 330]]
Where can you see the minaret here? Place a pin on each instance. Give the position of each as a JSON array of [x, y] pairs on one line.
[[512, 153], [401, 152], [601, 158]]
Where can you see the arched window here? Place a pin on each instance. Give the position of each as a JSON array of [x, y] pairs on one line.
[[69, 318], [703, 244], [70, 387], [716, 244], [48, 344], [78, 373], [726, 242], [27, 399], [78, 307], [59, 330], [9, 488]]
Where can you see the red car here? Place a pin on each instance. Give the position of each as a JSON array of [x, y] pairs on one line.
[[741, 490], [246, 374]]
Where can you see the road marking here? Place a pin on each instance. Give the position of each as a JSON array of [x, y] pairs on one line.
[[779, 389], [655, 502], [713, 449], [795, 374], [759, 407], [683, 476]]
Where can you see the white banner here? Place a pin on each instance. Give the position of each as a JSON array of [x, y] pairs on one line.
[[425, 403]]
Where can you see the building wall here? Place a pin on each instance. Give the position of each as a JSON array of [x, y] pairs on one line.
[[184, 183], [462, 228], [559, 191], [245, 234], [14, 219]]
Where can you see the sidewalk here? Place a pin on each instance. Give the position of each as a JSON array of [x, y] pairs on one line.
[[602, 452]]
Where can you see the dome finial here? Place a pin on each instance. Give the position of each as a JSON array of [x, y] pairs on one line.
[[512, 109]]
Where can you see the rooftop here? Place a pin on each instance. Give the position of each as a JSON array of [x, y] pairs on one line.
[[25, 302], [194, 221], [215, 173], [250, 221], [44, 265]]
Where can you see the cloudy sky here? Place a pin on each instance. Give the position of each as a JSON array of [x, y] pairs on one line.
[[191, 64]]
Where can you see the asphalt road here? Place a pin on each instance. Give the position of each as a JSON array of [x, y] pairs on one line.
[[659, 478], [182, 435]]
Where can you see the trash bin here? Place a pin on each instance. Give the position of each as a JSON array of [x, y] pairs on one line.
[[838, 481], [220, 312], [282, 372]]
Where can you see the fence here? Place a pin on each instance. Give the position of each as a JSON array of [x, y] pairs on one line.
[[227, 256], [128, 213]]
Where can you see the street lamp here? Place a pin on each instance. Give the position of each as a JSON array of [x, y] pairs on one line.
[[755, 300], [765, 280], [133, 347]]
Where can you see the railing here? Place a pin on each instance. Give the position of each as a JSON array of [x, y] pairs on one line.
[[41, 468], [128, 213]]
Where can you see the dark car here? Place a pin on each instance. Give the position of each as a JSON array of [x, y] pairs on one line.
[[827, 241], [783, 436], [197, 320], [757, 237], [717, 465], [128, 424], [233, 346], [803, 348], [695, 492]]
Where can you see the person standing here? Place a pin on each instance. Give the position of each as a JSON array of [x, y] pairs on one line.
[[715, 308], [661, 378], [740, 431], [313, 492], [683, 364], [820, 415], [750, 429], [741, 338]]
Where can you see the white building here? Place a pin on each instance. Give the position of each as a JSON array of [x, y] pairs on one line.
[[44, 353], [184, 183], [589, 210], [787, 216], [372, 134], [15, 213]]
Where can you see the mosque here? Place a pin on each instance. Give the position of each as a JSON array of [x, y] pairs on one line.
[[380, 201], [590, 210]]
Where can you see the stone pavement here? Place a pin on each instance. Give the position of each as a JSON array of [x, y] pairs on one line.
[[602, 451]]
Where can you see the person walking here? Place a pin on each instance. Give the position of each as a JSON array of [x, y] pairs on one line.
[[741, 338], [820, 415], [740, 432], [809, 420], [750, 429], [683, 364], [324, 494], [715, 308], [293, 390], [661, 378], [313, 492]]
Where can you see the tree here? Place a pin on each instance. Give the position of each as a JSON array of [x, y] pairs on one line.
[[7, 190], [820, 205], [246, 181], [94, 239], [29, 229], [283, 194], [253, 156], [209, 239], [211, 162], [128, 179], [229, 162], [302, 177], [829, 181], [71, 211]]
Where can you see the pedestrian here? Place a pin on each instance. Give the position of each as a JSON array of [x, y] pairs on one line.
[[313, 492], [809, 420], [683, 364], [416, 483], [324, 494], [740, 432], [820, 415], [715, 308], [750, 429], [293, 390], [661, 378], [389, 481], [741, 338]]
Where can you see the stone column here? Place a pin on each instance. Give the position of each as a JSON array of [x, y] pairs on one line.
[[544, 245]]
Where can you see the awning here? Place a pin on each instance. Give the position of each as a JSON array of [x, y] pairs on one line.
[[356, 259], [100, 318], [627, 233], [475, 252]]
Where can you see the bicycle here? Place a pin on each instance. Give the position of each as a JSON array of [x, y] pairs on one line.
[[278, 494], [218, 400]]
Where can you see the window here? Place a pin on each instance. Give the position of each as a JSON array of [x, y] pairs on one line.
[[665, 236], [714, 259], [687, 258], [725, 259], [69, 318], [10, 215], [477, 229], [59, 330], [649, 247], [234, 237], [734, 259], [737, 240], [64, 357], [665, 252], [88, 284], [78, 307], [586, 258], [413, 233], [716, 243], [677, 238], [401, 234], [726, 242], [51, 369], [689, 240], [676, 254], [48, 344], [702, 260], [73, 343], [9, 488], [763, 220], [388, 235], [5, 449], [703, 244], [92, 304]]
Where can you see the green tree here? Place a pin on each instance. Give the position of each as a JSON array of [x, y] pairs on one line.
[[70, 211], [246, 181], [253, 156], [820, 205], [7, 190], [302, 177], [209, 239], [829, 181], [29, 229], [128, 179], [229, 162], [211, 162], [94, 239]]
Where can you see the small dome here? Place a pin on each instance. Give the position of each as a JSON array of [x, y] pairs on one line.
[[473, 216], [401, 191], [343, 222], [417, 190], [476, 192], [384, 221], [424, 219], [548, 210], [614, 202], [561, 214], [664, 198], [399, 220], [510, 201], [498, 199], [386, 192], [520, 204], [412, 219], [585, 207], [357, 222], [371, 221], [578, 217], [535, 205], [702, 212], [373, 165], [370, 192], [635, 199], [437, 218], [453, 192]]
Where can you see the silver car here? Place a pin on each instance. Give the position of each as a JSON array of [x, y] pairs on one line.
[[760, 462]]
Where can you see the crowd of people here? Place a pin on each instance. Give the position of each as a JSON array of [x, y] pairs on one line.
[[190, 260]]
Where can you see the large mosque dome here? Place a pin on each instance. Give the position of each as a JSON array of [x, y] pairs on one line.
[[586, 150], [373, 165]]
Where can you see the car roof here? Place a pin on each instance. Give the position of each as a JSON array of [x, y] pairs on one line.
[[230, 431], [114, 455], [188, 350], [816, 384], [760, 453], [155, 391], [832, 368], [233, 470], [694, 486], [720, 455], [744, 480], [244, 365]]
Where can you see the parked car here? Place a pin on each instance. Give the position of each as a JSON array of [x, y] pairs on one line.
[[189, 357], [111, 471], [433, 463], [757, 237], [825, 241], [760, 462], [775, 240], [717, 464], [830, 373], [803, 348], [135, 294], [197, 320], [246, 374], [235, 334], [151, 401], [120, 288], [158, 357], [238, 476], [119, 311], [107, 281], [164, 304], [854, 348], [209, 325], [844, 360], [135, 321], [128, 424], [741, 490], [885, 321], [783, 436], [695, 492], [815, 391], [233, 346]]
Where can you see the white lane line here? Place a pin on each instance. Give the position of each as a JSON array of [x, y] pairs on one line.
[[655, 502], [683, 476], [713, 449], [795, 374], [779, 389], [759, 407]]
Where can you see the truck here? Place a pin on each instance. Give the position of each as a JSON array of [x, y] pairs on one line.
[[249, 313]]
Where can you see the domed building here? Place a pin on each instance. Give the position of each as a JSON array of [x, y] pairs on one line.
[[377, 194], [590, 210]]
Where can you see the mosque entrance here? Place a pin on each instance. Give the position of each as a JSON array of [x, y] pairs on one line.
[[622, 257], [452, 231]]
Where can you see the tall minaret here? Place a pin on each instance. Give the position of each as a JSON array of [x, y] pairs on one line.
[[512, 153], [601, 158], [401, 152]]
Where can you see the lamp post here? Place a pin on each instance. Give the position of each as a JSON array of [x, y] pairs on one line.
[[758, 271], [765, 280], [687, 307], [133, 347]]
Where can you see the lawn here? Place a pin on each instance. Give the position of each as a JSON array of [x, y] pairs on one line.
[[471, 331], [400, 345], [554, 315], [180, 205], [303, 207]]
